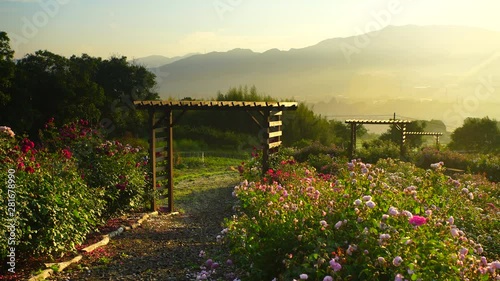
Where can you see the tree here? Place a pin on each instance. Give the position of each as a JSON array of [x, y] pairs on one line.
[[7, 68], [342, 132], [123, 83], [47, 85], [304, 124], [476, 134]]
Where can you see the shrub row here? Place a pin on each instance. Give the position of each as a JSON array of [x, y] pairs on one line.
[[484, 164]]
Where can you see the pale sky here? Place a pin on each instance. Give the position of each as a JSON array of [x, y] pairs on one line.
[[170, 28]]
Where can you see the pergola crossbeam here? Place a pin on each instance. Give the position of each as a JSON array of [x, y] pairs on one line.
[[435, 134]]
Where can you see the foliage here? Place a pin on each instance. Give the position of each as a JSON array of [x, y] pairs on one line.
[[476, 134], [211, 138], [316, 148], [484, 164], [304, 125], [242, 93], [379, 222], [377, 149], [7, 67], [323, 158]]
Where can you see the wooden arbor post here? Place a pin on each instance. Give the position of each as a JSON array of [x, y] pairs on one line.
[[402, 130], [272, 140], [161, 155], [352, 147]]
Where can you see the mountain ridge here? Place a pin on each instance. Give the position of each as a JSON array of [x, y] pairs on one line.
[[442, 65]]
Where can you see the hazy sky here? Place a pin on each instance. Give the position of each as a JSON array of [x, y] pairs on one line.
[[136, 28]]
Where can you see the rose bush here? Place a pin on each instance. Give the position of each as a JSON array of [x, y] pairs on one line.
[[54, 209], [66, 185], [112, 168], [389, 221]]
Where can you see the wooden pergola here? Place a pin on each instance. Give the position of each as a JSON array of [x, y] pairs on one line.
[[400, 125], [162, 121], [435, 134]]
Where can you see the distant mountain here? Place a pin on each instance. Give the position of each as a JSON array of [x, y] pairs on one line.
[[417, 71], [157, 60]]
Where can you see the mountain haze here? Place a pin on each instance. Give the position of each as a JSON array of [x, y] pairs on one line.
[[416, 71], [157, 60]]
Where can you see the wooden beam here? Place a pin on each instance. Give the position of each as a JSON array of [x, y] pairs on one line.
[[274, 144], [160, 159], [160, 130], [152, 156], [352, 149], [403, 140], [274, 134], [161, 149], [170, 162], [265, 146], [255, 120], [161, 178], [179, 117], [275, 123], [161, 169]]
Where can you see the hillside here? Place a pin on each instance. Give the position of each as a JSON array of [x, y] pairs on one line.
[[416, 71]]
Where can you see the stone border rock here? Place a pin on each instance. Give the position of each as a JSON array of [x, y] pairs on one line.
[[105, 240]]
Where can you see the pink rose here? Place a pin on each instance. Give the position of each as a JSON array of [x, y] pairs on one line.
[[417, 220]]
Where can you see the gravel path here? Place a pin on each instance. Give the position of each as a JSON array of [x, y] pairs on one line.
[[167, 247]]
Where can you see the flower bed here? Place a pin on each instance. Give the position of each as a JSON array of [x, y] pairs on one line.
[[389, 221]]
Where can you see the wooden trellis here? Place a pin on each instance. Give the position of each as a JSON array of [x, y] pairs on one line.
[[400, 125], [162, 121], [435, 134]]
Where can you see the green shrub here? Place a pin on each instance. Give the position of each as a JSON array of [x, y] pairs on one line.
[[116, 168], [120, 171], [54, 209], [317, 148], [376, 149], [484, 164]]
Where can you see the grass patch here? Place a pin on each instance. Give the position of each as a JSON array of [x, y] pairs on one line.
[[196, 179]]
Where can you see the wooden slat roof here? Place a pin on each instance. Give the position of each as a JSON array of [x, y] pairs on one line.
[[378, 121], [255, 105], [424, 133]]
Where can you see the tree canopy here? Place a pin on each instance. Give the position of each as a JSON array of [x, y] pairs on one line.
[[7, 68], [477, 134], [44, 85]]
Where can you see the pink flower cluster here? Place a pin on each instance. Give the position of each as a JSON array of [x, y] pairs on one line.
[[417, 220], [7, 130]]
